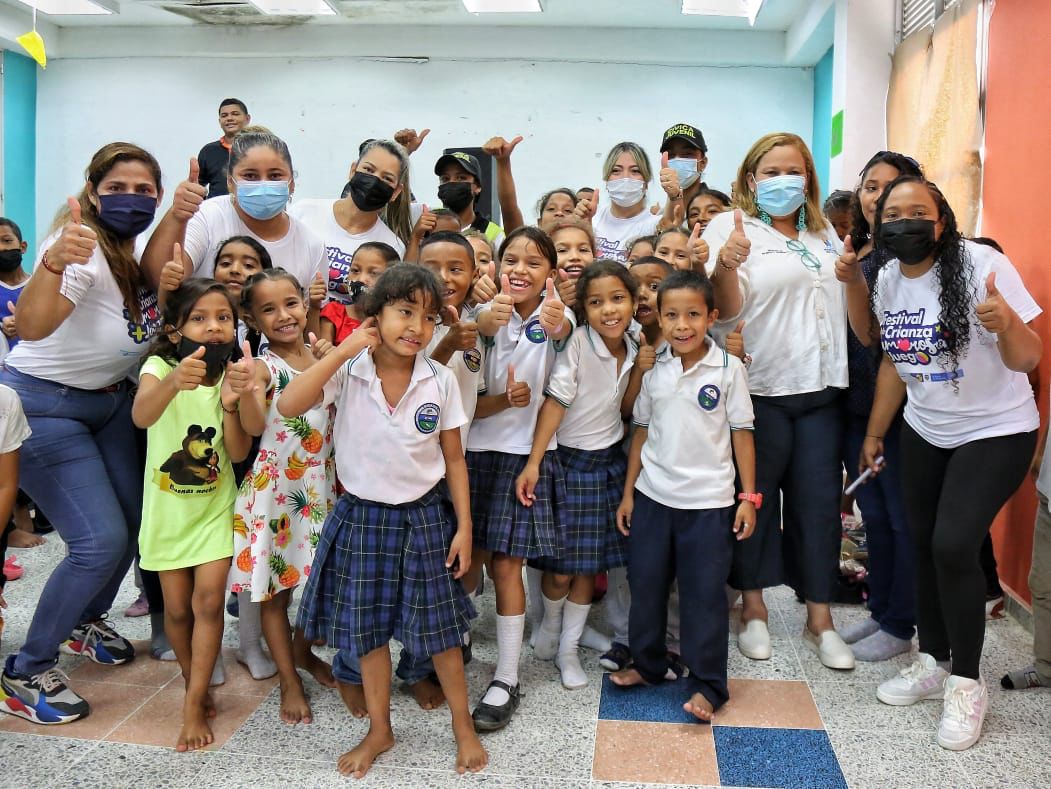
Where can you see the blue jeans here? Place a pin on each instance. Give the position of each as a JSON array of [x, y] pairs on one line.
[[81, 468], [346, 667]]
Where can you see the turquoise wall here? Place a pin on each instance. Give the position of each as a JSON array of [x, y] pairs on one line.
[[822, 142], [20, 145]]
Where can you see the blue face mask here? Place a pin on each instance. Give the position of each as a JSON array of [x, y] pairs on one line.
[[687, 171], [781, 195], [262, 199]]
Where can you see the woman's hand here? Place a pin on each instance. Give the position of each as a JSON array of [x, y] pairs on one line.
[[188, 195], [77, 243], [871, 449], [737, 247]]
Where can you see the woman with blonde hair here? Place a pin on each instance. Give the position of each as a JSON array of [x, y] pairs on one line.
[[627, 173]]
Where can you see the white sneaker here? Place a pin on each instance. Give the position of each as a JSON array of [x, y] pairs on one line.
[[966, 701], [924, 679], [830, 649], [754, 640], [573, 675]]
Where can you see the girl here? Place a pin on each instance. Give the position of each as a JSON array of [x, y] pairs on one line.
[[342, 315], [582, 410], [957, 339], [575, 245], [703, 206], [672, 247], [187, 402], [626, 172], [390, 537], [483, 251], [291, 487], [641, 247], [524, 320], [556, 205]]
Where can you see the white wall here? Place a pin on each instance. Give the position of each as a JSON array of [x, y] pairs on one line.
[[570, 113]]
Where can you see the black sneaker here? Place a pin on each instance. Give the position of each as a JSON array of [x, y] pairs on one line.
[[99, 642], [617, 658], [676, 668], [489, 717], [44, 698]]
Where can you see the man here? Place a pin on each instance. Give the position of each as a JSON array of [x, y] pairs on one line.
[[682, 170], [213, 158], [459, 184]]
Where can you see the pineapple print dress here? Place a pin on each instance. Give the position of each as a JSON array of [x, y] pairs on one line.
[[285, 498]]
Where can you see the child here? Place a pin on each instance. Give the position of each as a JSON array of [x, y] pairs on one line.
[[692, 418], [187, 402], [672, 247], [12, 277], [342, 315], [583, 410], [837, 211], [14, 429], [291, 486], [641, 247], [446, 219], [389, 558], [575, 244], [649, 271], [483, 250], [523, 321], [703, 206]]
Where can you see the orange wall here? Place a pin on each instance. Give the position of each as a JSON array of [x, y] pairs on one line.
[[1014, 208]]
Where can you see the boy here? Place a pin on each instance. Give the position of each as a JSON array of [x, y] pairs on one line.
[[679, 495]]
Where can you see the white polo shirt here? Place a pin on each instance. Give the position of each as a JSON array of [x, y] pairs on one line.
[[988, 399], [467, 368], [392, 455], [687, 460], [523, 343], [795, 318], [585, 381]]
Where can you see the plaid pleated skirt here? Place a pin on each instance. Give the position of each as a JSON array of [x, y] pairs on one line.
[[379, 573], [501, 523], [594, 486]]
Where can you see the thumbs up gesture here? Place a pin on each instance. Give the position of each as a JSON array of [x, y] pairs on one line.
[[735, 341], [518, 392], [499, 148], [847, 268], [698, 249], [318, 291], [502, 304], [320, 348], [8, 324], [425, 224], [647, 355], [240, 375], [77, 243], [567, 288], [410, 139], [463, 335], [552, 311], [735, 250], [669, 179], [586, 208], [189, 194], [485, 288], [173, 273], [190, 372], [995, 313]]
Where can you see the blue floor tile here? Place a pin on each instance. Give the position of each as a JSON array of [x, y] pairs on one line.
[[777, 758], [650, 703]]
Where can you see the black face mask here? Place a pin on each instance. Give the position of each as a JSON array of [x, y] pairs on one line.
[[368, 192], [10, 259], [456, 195], [909, 240], [216, 355]]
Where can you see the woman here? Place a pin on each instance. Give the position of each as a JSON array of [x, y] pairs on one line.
[[626, 172], [85, 318], [889, 631], [773, 268], [955, 329]]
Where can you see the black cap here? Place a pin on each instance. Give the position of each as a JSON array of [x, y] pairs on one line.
[[686, 133], [465, 160]]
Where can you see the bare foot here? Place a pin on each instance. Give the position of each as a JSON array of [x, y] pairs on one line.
[[626, 678], [195, 733], [470, 755], [354, 697], [358, 761], [24, 539], [318, 668], [428, 694], [699, 706], [295, 708]]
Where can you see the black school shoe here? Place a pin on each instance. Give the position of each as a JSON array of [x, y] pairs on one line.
[[489, 717], [617, 659]]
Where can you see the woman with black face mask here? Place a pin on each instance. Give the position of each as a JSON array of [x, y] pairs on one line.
[[85, 318], [955, 329]]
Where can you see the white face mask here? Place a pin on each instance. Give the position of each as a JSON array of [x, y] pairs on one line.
[[626, 192]]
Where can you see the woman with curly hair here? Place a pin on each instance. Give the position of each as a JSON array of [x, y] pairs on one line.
[[957, 343]]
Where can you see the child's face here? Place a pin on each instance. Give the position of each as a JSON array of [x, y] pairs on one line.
[[702, 209], [454, 268], [558, 206], [483, 254], [366, 267], [684, 320], [840, 219], [608, 305], [8, 239], [650, 276], [210, 321], [449, 222], [574, 250], [671, 248], [641, 249], [526, 268], [279, 312], [406, 327], [236, 263]]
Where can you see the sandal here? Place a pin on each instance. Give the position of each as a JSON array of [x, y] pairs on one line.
[[489, 717]]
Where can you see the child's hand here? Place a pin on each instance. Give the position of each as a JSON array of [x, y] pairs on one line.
[[552, 313], [847, 268], [77, 243], [647, 355], [460, 549], [173, 272], [627, 506], [744, 520], [586, 208], [318, 291], [190, 372], [240, 375], [518, 392], [485, 288], [526, 484], [410, 139], [8, 324], [189, 195], [567, 288], [365, 336], [463, 335], [425, 224], [995, 313], [669, 179], [502, 304], [499, 148], [698, 249], [320, 348], [735, 341]]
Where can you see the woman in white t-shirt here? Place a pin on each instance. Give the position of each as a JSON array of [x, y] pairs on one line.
[[261, 183], [627, 173], [85, 318], [957, 343], [772, 265]]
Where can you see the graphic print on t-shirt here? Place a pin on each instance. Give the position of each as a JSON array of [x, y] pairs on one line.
[[908, 338], [147, 326], [338, 272], [192, 469]]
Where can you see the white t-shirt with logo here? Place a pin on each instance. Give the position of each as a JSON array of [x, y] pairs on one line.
[[467, 367], [98, 345], [612, 234], [340, 246], [980, 398]]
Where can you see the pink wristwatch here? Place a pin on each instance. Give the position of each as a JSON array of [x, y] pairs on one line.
[[755, 498]]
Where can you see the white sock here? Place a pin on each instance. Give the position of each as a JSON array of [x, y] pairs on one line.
[[250, 630], [509, 632], [545, 642], [574, 617]]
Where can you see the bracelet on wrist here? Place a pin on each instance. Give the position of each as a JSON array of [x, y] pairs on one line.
[[869, 435], [57, 271], [233, 410]]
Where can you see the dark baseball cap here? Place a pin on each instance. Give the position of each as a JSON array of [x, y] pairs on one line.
[[686, 133], [465, 160]]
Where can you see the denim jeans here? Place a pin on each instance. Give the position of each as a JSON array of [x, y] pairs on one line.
[[346, 667], [81, 468]]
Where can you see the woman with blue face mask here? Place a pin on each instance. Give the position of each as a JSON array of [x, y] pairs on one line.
[[622, 214], [773, 267]]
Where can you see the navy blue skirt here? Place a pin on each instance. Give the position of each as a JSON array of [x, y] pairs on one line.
[[501, 523], [379, 573]]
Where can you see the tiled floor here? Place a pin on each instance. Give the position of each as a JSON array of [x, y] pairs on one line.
[[790, 723]]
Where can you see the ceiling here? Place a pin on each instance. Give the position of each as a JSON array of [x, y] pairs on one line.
[[776, 15]]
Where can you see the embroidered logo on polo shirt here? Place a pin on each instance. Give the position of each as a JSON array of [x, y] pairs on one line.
[[427, 417], [708, 396], [472, 357], [534, 332]]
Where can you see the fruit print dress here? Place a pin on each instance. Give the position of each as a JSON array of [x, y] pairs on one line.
[[285, 498]]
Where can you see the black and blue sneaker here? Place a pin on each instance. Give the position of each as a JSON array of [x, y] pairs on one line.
[[617, 658], [43, 698], [99, 642]]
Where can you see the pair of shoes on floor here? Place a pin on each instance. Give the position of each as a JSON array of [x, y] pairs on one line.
[[493, 717], [139, 608], [43, 698], [99, 642], [12, 569]]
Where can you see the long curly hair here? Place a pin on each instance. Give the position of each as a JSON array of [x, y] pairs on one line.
[[953, 269]]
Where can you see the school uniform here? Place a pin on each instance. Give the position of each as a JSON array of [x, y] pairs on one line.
[[681, 527], [379, 571], [466, 366]]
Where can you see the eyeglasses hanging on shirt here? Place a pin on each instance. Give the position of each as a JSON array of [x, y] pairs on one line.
[[809, 259]]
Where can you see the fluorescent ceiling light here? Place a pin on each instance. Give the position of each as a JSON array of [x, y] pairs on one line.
[[748, 9], [503, 6], [68, 7], [294, 7]]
